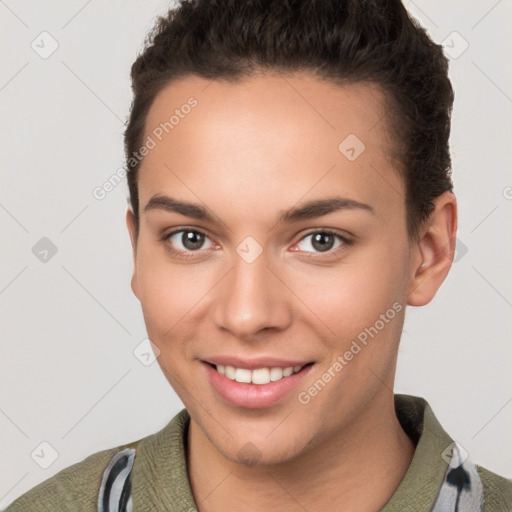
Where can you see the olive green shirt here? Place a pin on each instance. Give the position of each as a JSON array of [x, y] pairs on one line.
[[160, 482]]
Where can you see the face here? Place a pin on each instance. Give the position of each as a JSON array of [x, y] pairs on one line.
[[271, 238]]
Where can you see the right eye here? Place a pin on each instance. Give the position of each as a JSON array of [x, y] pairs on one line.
[[186, 241]]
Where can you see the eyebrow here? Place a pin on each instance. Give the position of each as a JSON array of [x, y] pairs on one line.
[[309, 210]]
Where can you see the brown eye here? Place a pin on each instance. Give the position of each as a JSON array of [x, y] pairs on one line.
[[187, 240], [321, 241], [192, 240]]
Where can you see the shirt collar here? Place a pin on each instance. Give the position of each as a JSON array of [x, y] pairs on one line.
[[160, 480]]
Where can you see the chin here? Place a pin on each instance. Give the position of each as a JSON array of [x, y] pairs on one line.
[[253, 451]]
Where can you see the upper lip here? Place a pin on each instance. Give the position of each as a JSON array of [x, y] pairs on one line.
[[255, 362]]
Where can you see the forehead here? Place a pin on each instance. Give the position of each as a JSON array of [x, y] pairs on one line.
[[274, 103], [268, 134]]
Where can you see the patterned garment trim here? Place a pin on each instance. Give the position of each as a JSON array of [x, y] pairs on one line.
[[115, 489], [462, 488]]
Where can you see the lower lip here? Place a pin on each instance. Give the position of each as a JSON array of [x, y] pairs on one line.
[[254, 396]]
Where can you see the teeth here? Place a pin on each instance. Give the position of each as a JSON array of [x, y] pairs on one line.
[[288, 371], [260, 376], [230, 372], [243, 375], [276, 373], [257, 376]]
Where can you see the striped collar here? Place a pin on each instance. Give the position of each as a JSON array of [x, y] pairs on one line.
[[440, 477]]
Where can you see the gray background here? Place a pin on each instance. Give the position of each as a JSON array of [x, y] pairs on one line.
[[70, 323]]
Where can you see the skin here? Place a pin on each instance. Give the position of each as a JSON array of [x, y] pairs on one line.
[[248, 152]]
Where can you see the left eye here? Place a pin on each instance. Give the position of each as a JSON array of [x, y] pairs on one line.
[[321, 241], [188, 240]]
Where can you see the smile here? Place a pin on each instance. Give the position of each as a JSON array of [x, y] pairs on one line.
[[256, 387], [258, 375]]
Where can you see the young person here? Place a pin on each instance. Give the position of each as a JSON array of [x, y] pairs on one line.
[[290, 197]]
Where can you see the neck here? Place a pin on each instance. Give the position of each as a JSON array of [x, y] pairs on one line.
[[358, 469]]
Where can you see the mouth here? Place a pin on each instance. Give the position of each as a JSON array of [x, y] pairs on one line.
[[258, 376], [257, 387]]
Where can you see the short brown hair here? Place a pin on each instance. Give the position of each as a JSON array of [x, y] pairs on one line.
[[347, 41]]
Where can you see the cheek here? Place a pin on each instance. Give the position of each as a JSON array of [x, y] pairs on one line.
[[353, 295], [361, 304], [167, 292], [175, 299]]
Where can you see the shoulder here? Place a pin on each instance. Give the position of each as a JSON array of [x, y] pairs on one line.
[[75, 488], [497, 491]]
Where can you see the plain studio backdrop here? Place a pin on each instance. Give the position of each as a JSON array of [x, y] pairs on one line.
[[73, 380]]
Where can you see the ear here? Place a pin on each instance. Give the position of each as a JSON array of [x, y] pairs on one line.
[[132, 230], [434, 251]]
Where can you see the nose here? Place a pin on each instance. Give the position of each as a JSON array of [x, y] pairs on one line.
[[252, 299]]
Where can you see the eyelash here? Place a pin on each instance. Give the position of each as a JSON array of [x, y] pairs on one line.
[[327, 254]]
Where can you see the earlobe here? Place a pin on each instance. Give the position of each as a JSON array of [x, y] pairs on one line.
[[434, 251]]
